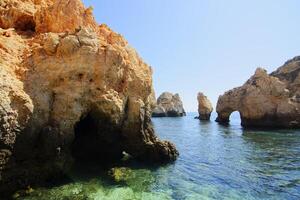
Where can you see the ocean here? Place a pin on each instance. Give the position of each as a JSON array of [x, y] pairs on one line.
[[215, 162]]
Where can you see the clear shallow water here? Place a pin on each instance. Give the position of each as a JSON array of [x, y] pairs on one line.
[[215, 162]]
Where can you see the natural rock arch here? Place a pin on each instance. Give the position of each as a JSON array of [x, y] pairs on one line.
[[225, 117], [265, 100]]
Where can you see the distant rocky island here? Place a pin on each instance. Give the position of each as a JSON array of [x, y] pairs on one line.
[[70, 90], [266, 100], [168, 105]]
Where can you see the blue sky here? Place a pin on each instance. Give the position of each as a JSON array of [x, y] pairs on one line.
[[205, 45]]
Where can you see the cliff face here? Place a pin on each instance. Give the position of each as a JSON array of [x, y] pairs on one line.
[[204, 107], [266, 100], [168, 105], [69, 90]]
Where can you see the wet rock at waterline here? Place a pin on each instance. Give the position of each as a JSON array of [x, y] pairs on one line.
[[204, 107], [168, 105], [266, 100], [69, 90]]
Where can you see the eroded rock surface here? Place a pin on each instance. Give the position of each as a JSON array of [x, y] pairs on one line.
[[266, 100], [204, 107], [69, 90], [168, 105]]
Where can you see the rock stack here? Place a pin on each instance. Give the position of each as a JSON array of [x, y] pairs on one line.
[[204, 107], [168, 105]]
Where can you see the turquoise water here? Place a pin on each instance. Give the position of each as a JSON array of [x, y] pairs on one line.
[[215, 162]]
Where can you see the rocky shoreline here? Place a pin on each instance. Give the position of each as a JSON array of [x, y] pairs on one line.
[[75, 91], [63, 75]]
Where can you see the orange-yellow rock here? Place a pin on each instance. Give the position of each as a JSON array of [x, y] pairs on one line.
[[70, 90]]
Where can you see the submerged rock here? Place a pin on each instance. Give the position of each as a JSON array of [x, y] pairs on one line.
[[23, 193], [168, 105], [96, 189], [119, 174], [69, 90], [266, 100], [137, 179], [204, 107]]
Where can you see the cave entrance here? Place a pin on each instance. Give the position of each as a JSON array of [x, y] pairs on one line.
[[96, 140], [25, 23]]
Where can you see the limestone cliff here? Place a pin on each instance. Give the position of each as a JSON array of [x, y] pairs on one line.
[[204, 107], [266, 100], [69, 90], [168, 105]]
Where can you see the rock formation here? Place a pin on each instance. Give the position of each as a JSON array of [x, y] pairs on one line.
[[266, 100], [69, 90], [204, 107], [168, 105]]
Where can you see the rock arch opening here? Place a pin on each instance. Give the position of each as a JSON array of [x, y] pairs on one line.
[[96, 140], [230, 116], [235, 118]]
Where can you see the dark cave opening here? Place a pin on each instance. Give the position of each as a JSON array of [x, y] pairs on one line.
[[96, 141], [25, 23]]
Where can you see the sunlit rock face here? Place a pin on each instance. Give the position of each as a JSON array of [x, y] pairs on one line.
[[204, 107], [69, 89], [266, 100], [168, 105]]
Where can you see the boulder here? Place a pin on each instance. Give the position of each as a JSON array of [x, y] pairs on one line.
[[266, 100], [204, 107], [168, 105], [70, 91]]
